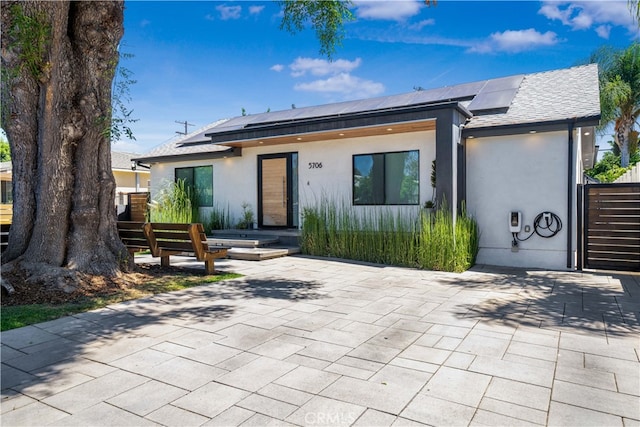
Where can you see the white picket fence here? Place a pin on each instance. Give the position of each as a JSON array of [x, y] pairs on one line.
[[632, 175]]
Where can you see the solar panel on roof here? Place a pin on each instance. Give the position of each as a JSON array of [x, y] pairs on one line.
[[497, 94], [503, 83]]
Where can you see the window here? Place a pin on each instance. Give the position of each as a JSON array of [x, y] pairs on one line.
[[199, 178], [6, 191], [386, 178]]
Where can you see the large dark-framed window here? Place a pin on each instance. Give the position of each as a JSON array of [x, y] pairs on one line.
[[386, 178], [200, 179]]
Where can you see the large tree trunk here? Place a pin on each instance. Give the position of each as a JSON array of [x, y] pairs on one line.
[[56, 111]]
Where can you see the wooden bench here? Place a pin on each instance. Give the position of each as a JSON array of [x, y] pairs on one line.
[[164, 240], [4, 236], [173, 239], [132, 236]]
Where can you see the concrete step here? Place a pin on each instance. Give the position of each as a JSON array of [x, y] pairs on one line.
[[260, 253], [242, 242]]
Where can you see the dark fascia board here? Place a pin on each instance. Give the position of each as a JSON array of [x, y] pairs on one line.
[[522, 128], [212, 155], [340, 121]]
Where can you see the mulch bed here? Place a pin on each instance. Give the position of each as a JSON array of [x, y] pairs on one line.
[[90, 286]]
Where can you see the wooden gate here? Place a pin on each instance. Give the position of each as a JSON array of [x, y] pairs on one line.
[[138, 207], [611, 229]]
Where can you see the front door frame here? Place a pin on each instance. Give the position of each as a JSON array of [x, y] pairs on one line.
[[289, 189]]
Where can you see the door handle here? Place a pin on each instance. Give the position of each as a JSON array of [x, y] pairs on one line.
[[284, 198]]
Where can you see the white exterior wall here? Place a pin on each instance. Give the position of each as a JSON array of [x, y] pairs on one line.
[[235, 179], [526, 173]]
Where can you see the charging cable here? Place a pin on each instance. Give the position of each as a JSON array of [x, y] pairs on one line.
[[545, 225]]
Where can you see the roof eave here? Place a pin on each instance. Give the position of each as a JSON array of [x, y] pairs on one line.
[[209, 155], [522, 128]]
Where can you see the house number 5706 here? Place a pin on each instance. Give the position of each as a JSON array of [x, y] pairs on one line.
[[315, 165]]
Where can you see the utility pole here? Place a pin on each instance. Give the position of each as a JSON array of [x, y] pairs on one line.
[[186, 124]]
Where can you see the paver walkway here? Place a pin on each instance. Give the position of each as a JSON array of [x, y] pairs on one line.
[[314, 342]]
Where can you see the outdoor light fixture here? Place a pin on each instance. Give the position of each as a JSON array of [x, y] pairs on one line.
[[533, 131], [137, 163]]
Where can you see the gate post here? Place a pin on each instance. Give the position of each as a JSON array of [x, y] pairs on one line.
[[580, 227]]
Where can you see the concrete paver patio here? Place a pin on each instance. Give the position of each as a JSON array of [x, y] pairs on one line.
[[302, 341]]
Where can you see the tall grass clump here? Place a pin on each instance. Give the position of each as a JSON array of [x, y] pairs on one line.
[[374, 235], [407, 237], [446, 247], [219, 219], [176, 203]]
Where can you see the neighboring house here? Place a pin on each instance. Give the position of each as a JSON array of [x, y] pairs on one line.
[[513, 144], [128, 180], [6, 193], [131, 177]]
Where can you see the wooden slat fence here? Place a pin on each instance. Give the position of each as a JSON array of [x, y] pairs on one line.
[[138, 206], [612, 226]]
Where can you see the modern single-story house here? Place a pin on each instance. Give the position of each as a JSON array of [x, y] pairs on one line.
[[512, 150]]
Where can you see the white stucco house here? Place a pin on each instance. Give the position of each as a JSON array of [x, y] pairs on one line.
[[514, 144]]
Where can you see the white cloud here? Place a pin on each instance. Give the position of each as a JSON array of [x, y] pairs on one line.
[[339, 80], [583, 15], [396, 10], [229, 12], [515, 41], [277, 68], [603, 31], [420, 25], [322, 67], [255, 10], [345, 84]]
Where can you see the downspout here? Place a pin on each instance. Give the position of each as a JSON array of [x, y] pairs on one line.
[[570, 168]]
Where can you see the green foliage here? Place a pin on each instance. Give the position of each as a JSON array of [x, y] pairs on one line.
[[620, 93], [23, 315], [5, 151], [176, 203], [327, 17], [219, 219], [247, 219], [409, 237], [30, 35], [448, 247], [608, 169], [121, 115]]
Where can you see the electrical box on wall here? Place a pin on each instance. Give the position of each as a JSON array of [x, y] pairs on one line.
[[515, 222]]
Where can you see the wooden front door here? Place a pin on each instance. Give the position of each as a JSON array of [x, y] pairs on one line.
[[274, 192]]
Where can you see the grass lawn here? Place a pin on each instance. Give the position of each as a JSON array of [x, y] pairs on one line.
[[16, 316]]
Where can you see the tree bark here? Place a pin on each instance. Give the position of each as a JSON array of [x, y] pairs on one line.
[[57, 119], [624, 128]]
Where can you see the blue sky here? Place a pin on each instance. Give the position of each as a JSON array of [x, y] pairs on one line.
[[202, 61]]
